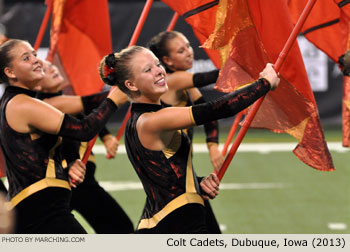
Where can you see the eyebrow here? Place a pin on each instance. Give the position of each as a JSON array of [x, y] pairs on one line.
[[24, 54], [33, 52]]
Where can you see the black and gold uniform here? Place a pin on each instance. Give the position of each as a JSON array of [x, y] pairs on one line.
[[174, 203], [212, 137], [38, 184], [168, 179], [97, 206], [3, 188]]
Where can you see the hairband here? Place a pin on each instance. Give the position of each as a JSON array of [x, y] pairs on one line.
[[110, 64]]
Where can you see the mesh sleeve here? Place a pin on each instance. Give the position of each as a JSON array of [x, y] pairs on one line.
[[88, 127], [211, 128], [230, 104], [205, 78], [90, 102]]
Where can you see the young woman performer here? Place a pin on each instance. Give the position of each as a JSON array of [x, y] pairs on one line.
[[31, 133], [174, 51], [157, 146], [97, 206]]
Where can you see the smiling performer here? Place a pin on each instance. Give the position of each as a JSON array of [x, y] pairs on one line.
[[175, 52], [157, 147], [31, 133], [89, 199]]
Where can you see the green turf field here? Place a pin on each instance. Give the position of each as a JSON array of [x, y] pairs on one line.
[[271, 192], [260, 193]]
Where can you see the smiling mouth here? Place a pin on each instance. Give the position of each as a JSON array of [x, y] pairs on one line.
[[160, 82], [38, 69]]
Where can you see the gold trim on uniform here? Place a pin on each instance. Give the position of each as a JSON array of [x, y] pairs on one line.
[[180, 201], [191, 115], [50, 180], [36, 187], [60, 125], [190, 196], [174, 145], [34, 136], [190, 186], [51, 167], [82, 149]]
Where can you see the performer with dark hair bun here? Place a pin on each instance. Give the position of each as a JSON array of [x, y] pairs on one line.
[[174, 51], [157, 147]]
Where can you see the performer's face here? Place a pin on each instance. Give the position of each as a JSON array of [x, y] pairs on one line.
[[149, 77], [25, 67], [180, 54], [53, 80]]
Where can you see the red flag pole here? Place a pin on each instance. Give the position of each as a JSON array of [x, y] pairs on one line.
[[141, 22], [173, 21], [232, 131], [256, 106], [88, 150], [133, 42], [44, 23], [346, 112]]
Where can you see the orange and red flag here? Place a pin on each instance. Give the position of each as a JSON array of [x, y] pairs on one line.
[[200, 14], [250, 33], [328, 28], [80, 37]]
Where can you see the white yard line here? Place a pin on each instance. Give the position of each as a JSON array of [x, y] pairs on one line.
[[337, 226], [244, 147], [131, 185]]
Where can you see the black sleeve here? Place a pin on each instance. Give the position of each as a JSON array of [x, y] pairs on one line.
[[211, 128], [103, 132], [205, 78], [230, 104], [89, 126], [90, 102], [70, 150], [43, 95]]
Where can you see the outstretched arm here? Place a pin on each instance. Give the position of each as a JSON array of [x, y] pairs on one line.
[[212, 138], [155, 129], [180, 80], [25, 115]]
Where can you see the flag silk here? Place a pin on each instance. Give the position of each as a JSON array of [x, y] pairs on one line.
[[80, 37], [251, 33], [200, 14], [327, 26]]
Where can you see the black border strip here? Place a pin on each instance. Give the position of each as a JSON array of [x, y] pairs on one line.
[[200, 9], [343, 3], [321, 26]]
